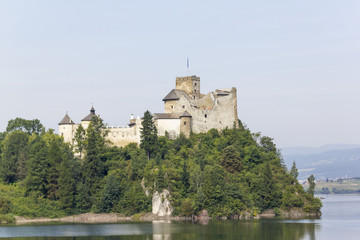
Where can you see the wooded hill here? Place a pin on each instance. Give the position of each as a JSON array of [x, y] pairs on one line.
[[226, 172]]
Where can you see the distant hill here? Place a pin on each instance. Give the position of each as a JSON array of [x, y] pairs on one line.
[[329, 161]]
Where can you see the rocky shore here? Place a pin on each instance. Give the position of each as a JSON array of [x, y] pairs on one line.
[[202, 218]]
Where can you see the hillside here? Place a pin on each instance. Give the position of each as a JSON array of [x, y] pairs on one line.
[[229, 173]]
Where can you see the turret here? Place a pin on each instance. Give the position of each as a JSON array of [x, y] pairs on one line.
[[86, 120], [66, 128]]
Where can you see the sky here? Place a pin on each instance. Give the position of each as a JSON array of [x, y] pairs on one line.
[[295, 64]]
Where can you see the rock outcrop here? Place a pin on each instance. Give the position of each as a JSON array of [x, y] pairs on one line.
[[161, 205]]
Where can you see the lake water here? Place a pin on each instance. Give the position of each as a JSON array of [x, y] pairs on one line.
[[340, 220]]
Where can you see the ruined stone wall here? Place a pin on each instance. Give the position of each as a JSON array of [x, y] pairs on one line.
[[215, 111], [211, 111]]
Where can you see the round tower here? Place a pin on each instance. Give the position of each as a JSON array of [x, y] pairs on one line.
[[66, 129]]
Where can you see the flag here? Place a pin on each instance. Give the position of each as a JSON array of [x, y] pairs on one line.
[[187, 63]]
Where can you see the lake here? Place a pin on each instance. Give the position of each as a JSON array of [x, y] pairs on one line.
[[340, 220]]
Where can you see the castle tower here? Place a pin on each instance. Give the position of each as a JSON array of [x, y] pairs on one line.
[[66, 129], [189, 84], [185, 123], [86, 120]]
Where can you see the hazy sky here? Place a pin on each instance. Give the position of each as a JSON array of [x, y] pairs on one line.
[[295, 64]]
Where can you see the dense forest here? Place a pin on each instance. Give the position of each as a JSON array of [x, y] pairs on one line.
[[227, 172]]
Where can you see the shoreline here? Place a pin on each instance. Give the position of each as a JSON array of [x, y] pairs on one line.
[[147, 217]]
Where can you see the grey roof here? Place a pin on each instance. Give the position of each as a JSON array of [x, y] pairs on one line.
[[171, 115], [222, 92], [90, 115], [66, 120], [185, 114], [174, 95], [166, 115]]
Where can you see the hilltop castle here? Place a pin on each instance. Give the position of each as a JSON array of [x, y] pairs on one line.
[[186, 111]]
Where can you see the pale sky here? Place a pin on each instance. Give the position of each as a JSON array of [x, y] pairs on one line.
[[295, 64]]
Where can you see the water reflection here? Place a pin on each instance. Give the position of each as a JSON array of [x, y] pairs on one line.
[[166, 230], [340, 220]]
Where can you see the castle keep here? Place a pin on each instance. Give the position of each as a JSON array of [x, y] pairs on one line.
[[186, 111]]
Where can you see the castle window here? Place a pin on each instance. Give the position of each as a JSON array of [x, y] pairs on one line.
[[195, 84], [194, 97], [194, 90], [205, 115], [172, 106], [183, 106], [184, 123], [62, 134]]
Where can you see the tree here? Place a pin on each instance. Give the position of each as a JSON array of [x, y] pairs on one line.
[[93, 169], [36, 179], [68, 176], [148, 134], [54, 159], [231, 160], [13, 153], [80, 137], [269, 193], [110, 194], [294, 171], [311, 181], [28, 126]]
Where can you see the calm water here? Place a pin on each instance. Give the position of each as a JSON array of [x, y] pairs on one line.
[[340, 220]]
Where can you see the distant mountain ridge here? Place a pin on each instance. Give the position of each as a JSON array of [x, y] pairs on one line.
[[329, 161], [315, 150]]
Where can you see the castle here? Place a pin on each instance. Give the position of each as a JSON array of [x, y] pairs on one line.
[[186, 111]]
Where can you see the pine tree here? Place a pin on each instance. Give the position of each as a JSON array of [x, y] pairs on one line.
[[93, 169], [38, 165], [311, 181], [148, 134], [54, 159], [80, 137], [67, 182], [294, 172]]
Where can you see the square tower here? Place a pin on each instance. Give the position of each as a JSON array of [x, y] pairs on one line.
[[189, 84]]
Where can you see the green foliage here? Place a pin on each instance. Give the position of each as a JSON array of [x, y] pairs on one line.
[[93, 167], [36, 179], [148, 134], [80, 140], [294, 172], [110, 194], [226, 172], [13, 156], [311, 181], [27, 126]]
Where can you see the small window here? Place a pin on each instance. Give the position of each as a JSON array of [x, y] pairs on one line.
[[183, 106], [62, 134], [194, 90], [195, 84], [205, 115], [172, 106], [184, 123], [194, 97]]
